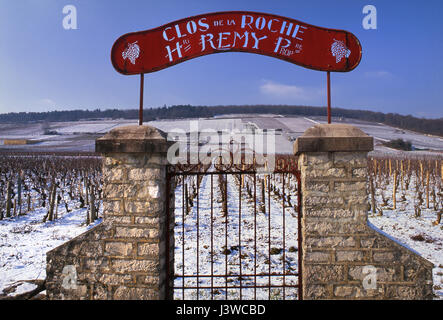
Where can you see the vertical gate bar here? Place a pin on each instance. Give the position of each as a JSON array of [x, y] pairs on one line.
[[212, 238], [269, 235], [239, 233], [184, 201], [284, 238], [168, 234], [198, 235], [300, 255], [255, 237], [225, 187]]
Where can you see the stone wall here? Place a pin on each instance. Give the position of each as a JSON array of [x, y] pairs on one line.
[[343, 257], [124, 257]]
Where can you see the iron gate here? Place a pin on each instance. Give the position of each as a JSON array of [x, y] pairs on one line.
[[236, 231]]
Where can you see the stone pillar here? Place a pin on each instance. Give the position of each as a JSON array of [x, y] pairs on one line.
[[343, 256], [125, 257]]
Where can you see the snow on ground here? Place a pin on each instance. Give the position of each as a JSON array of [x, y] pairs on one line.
[[24, 241], [417, 234], [81, 135], [229, 244]]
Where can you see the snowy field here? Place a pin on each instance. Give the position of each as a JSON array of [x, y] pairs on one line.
[[417, 234], [81, 135], [24, 241]]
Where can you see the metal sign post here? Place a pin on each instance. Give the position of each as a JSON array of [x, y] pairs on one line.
[[329, 96], [140, 112]]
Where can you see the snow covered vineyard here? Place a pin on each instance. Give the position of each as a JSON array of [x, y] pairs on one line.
[[234, 236], [227, 245], [45, 200]]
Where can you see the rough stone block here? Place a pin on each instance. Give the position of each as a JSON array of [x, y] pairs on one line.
[[329, 242], [323, 273], [128, 293], [132, 265], [344, 291], [135, 232], [322, 187], [325, 212], [383, 256], [353, 159], [148, 249], [350, 256], [313, 201], [115, 190], [115, 279], [148, 207], [325, 173], [118, 248], [317, 256], [114, 175], [314, 292], [113, 206], [144, 174], [350, 186]]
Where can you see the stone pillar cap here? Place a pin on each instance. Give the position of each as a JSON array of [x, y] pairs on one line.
[[134, 138], [333, 137]]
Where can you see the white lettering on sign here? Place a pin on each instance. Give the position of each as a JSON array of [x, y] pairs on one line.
[[300, 31], [177, 49], [237, 35], [178, 32], [257, 40], [226, 40], [218, 23], [187, 45], [191, 27], [260, 23], [203, 41], [244, 23], [221, 37], [165, 35], [279, 44], [270, 25], [286, 44], [204, 26], [231, 22]]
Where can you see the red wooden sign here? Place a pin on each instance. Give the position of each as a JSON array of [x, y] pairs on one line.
[[283, 38]]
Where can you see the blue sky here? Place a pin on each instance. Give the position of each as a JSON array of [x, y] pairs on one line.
[[45, 67]]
